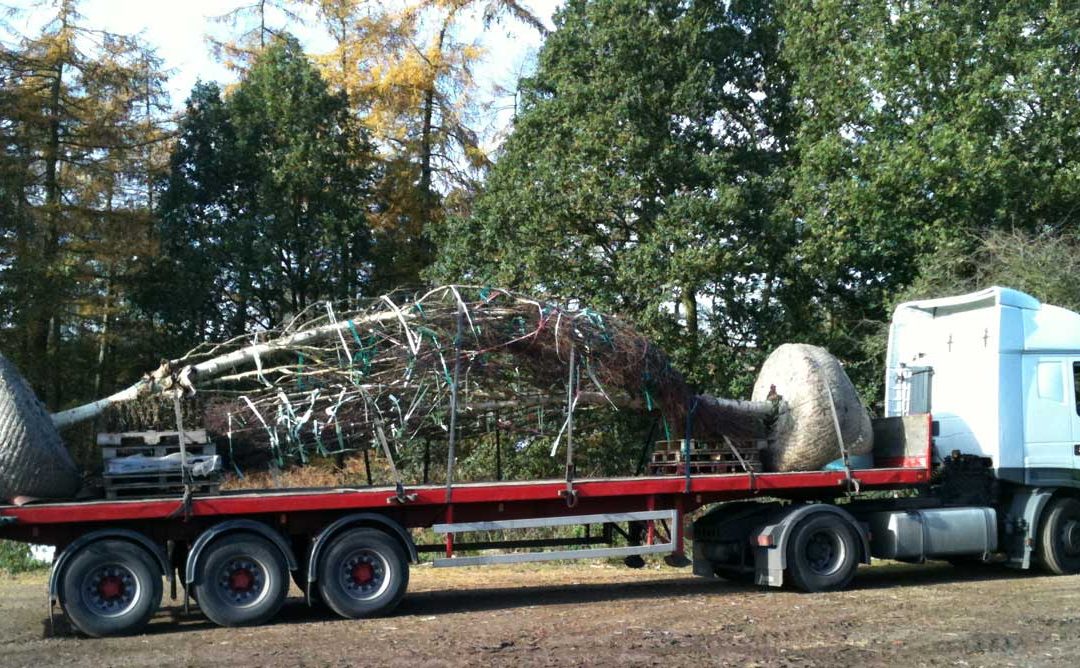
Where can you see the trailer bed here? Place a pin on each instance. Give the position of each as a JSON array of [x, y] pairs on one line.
[[465, 498]]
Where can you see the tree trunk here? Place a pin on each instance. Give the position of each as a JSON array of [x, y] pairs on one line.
[[427, 195], [45, 328], [690, 308]]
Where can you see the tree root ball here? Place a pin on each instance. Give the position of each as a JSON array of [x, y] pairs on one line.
[[804, 434], [33, 459]]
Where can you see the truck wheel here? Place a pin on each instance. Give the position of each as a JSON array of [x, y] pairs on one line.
[[1059, 537], [243, 580], [110, 588], [363, 573], [823, 554]]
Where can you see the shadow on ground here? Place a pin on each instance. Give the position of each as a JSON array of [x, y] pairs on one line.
[[484, 599]]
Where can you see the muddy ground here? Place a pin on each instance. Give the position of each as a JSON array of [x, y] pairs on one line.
[[599, 614]]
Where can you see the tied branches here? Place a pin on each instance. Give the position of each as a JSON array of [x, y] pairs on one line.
[[336, 375]]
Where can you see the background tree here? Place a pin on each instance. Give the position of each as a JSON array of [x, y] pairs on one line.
[[642, 175], [265, 204], [252, 26], [410, 77], [728, 175], [82, 120], [924, 126]]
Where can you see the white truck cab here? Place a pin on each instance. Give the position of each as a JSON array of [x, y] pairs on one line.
[[1000, 372], [999, 375]]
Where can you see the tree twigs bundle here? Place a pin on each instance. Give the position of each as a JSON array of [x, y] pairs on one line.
[[337, 375], [403, 368]]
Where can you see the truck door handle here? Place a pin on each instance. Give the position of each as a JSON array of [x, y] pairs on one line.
[[1076, 449]]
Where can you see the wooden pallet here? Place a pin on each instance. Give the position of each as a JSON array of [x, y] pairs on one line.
[[704, 458], [670, 457], [151, 437], [153, 444], [160, 450], [154, 485]]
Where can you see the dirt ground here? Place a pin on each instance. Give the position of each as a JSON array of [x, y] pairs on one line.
[[599, 614]]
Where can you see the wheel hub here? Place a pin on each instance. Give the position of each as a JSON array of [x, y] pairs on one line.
[[1070, 534], [823, 552], [363, 573], [111, 587], [110, 590], [242, 581]]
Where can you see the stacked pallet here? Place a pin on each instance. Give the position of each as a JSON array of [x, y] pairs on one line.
[[151, 463], [669, 458]]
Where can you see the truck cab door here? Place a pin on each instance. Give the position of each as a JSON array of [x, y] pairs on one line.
[[1076, 415], [1051, 422]]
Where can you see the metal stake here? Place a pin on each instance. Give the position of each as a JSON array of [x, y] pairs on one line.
[[686, 441], [570, 493], [498, 450], [454, 406], [183, 441]]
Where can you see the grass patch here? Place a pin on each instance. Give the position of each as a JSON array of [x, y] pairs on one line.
[[16, 558]]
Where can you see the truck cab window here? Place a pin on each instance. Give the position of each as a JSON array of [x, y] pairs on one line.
[[1051, 381], [1076, 385]]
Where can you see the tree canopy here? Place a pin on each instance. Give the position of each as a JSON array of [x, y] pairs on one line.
[[266, 203], [740, 174], [643, 174]]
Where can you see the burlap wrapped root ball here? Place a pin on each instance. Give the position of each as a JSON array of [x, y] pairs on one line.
[[804, 436], [33, 459]]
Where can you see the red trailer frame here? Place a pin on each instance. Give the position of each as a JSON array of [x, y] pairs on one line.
[[302, 528], [424, 506]]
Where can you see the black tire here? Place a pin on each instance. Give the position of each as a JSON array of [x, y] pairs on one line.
[[1059, 537], [823, 553], [111, 588], [363, 573], [243, 580]]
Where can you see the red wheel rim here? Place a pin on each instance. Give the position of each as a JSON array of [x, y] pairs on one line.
[[363, 573], [241, 580], [111, 588]]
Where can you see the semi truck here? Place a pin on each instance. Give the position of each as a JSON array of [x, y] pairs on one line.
[[976, 459]]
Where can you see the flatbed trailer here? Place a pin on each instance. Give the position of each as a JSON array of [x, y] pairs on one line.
[[233, 551], [992, 476]]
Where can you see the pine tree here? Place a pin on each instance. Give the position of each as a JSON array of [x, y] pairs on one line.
[[254, 28], [410, 78], [83, 129], [264, 211]]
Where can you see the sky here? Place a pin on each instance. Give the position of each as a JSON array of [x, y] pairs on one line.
[[178, 29]]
